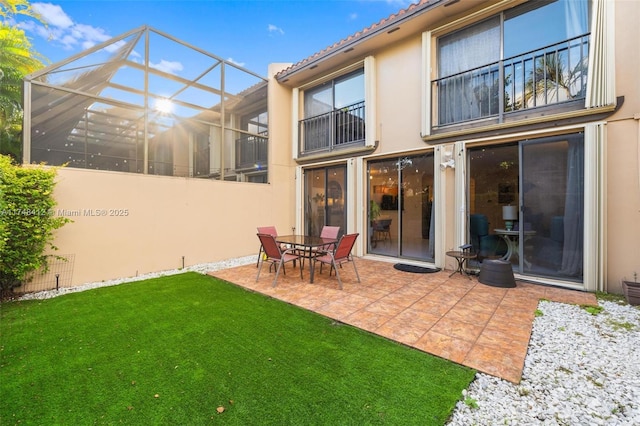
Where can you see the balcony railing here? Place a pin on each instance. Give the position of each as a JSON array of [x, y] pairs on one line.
[[334, 130], [551, 75], [251, 152]]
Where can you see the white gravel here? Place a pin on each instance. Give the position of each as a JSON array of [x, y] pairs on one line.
[[202, 268], [580, 369]]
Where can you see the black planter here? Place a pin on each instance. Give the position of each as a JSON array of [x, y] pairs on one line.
[[631, 292]]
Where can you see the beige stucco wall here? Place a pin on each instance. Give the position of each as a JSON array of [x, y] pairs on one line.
[[623, 154], [399, 89], [128, 224]]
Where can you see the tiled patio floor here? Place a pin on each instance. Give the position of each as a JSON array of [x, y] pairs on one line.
[[483, 327]]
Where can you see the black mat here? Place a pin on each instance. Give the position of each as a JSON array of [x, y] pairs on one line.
[[415, 269]]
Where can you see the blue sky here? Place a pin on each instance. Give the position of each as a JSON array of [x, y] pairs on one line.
[[250, 33]]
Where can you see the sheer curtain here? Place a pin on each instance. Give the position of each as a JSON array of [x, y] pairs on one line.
[[573, 249], [462, 51], [576, 17]]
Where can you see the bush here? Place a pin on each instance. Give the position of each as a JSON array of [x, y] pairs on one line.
[[27, 221]]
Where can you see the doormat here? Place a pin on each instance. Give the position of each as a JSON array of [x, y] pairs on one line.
[[415, 269]]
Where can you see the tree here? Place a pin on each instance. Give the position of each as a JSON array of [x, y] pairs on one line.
[[17, 59], [553, 78]]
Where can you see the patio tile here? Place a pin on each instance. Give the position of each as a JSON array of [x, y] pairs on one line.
[[483, 358], [483, 327], [444, 346], [367, 320], [466, 331]]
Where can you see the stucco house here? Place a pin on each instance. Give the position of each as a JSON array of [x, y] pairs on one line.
[[511, 125]]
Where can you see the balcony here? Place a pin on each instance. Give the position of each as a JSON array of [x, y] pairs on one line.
[[251, 153], [552, 75], [338, 129]]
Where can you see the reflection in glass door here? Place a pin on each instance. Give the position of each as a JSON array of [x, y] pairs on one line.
[[401, 219], [325, 195]]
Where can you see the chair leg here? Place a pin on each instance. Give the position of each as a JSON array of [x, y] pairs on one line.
[[334, 266], [259, 269], [277, 272], [355, 269], [259, 255]]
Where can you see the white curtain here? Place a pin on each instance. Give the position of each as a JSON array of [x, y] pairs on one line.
[[576, 17], [601, 82], [461, 51], [573, 249]]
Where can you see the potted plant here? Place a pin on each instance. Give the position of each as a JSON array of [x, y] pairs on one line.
[[374, 213], [631, 290]]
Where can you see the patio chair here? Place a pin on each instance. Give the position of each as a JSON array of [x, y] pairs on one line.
[[382, 229], [327, 232], [271, 230], [340, 255], [330, 232], [275, 256]]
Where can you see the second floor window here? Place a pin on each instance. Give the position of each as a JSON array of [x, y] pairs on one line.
[[334, 114], [530, 56]]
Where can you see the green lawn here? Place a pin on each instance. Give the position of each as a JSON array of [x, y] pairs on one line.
[[172, 350]]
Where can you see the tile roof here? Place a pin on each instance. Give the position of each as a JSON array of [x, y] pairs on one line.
[[403, 14]]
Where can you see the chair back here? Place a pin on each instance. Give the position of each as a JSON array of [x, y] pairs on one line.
[[345, 245], [382, 224], [270, 246], [330, 232], [271, 230]]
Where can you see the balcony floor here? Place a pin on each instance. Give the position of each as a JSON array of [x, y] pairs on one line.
[[479, 326]]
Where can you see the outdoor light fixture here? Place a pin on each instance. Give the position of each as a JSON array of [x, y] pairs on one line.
[[509, 214], [448, 160]]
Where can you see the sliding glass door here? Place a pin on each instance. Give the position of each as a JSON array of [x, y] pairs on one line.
[[526, 205], [401, 219], [325, 195]]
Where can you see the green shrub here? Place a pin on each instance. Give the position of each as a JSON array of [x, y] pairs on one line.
[[27, 221]]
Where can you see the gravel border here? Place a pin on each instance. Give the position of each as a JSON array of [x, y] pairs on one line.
[[202, 268], [580, 369]]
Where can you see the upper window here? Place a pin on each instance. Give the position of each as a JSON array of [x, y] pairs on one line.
[[334, 114], [530, 56]]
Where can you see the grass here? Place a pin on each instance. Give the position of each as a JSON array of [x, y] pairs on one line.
[[179, 349]]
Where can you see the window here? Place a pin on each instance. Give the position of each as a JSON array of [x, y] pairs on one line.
[[544, 61], [334, 114]]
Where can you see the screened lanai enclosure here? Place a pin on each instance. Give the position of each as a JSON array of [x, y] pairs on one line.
[[148, 103]]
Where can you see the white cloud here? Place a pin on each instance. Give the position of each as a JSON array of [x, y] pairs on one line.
[[233, 61], [274, 29], [53, 15], [62, 30], [171, 67], [353, 16]]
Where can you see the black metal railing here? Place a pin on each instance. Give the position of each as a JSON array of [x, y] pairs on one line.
[[251, 152], [551, 75], [333, 130]]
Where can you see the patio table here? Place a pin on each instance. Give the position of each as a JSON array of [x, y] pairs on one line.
[[307, 245]]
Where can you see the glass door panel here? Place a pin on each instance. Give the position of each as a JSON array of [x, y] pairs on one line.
[[325, 195], [401, 207], [383, 208], [335, 204], [493, 191], [416, 207], [552, 207]]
